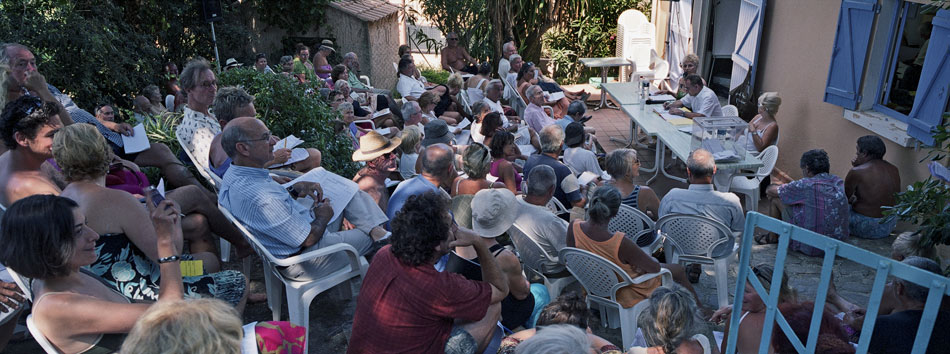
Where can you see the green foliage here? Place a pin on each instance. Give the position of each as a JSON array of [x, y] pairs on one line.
[[927, 203], [591, 36], [435, 76], [295, 16], [568, 29], [288, 107]]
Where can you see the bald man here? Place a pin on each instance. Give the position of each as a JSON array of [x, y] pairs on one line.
[[282, 225], [700, 198], [437, 171]]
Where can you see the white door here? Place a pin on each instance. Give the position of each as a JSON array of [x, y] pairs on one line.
[[748, 33]]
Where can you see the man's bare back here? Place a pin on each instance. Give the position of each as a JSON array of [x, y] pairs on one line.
[[19, 184], [871, 185]]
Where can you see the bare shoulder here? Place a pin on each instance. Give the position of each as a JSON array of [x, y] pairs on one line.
[[23, 184]]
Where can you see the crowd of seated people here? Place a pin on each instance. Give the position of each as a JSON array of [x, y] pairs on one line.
[[429, 211]]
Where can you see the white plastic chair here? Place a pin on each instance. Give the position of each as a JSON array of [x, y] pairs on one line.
[[602, 279], [749, 184], [531, 255], [636, 226], [205, 171], [661, 68], [39, 337], [301, 293], [698, 239], [556, 206], [730, 111], [635, 39]]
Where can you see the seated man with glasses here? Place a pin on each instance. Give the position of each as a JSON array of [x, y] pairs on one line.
[[457, 58], [284, 226]]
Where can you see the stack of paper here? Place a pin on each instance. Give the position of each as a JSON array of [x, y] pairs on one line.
[[138, 142], [665, 114], [380, 113], [662, 98]]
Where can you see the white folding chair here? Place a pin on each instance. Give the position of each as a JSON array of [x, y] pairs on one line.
[[748, 184], [39, 337], [301, 293], [636, 226], [204, 170], [531, 255], [602, 279], [698, 239], [730, 111]]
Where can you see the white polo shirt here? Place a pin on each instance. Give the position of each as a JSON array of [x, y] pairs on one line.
[[408, 86]]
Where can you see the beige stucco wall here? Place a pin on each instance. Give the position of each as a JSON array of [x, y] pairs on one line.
[[795, 52], [384, 50]]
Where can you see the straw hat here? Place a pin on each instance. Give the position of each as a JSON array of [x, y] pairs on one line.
[[373, 145], [493, 212]]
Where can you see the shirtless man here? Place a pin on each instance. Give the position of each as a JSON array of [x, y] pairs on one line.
[[455, 57], [870, 185], [28, 125]]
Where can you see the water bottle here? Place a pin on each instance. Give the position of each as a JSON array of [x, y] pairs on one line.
[[643, 93]]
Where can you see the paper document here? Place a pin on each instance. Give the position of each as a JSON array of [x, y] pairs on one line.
[[161, 187], [380, 113], [665, 114], [289, 142], [464, 123], [681, 121], [527, 150], [296, 155], [338, 189], [463, 137], [586, 178], [662, 98], [384, 131], [554, 96], [138, 142]]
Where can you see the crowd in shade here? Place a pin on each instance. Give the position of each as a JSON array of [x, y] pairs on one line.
[[452, 178]]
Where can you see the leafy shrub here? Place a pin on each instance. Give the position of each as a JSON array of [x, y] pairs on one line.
[[590, 36], [435, 76], [288, 107]]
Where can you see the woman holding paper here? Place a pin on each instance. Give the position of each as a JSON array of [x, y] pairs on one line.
[[128, 259]]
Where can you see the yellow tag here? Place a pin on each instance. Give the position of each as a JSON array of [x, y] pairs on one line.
[[192, 268]]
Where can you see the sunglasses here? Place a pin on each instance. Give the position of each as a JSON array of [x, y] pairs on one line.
[[765, 275]]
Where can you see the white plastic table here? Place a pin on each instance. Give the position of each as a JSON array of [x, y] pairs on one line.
[[604, 64]]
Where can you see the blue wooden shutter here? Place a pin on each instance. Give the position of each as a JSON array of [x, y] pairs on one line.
[[851, 48], [748, 32], [931, 99]]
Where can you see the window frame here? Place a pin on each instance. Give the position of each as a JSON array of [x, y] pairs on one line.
[[889, 65]]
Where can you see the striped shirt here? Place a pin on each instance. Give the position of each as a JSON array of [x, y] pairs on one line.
[[79, 115], [266, 209]]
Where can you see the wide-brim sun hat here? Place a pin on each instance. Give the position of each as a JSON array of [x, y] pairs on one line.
[[231, 62], [493, 212], [373, 145], [437, 131]]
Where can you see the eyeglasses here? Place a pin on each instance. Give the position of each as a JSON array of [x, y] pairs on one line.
[[209, 84], [266, 136]]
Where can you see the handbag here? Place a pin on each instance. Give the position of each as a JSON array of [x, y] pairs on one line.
[[123, 178]]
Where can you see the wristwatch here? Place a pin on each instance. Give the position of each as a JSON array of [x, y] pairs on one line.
[[293, 192], [169, 259]]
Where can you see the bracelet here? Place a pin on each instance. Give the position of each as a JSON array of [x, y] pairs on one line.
[[169, 259]]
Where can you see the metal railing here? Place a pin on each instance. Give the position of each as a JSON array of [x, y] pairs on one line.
[[885, 267]]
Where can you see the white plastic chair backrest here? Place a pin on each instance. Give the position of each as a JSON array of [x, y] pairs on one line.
[[215, 180], [23, 283], [556, 206], [694, 234], [768, 156], [661, 67], [635, 37], [599, 276], [531, 253], [396, 67], [266, 256], [39, 336], [191, 156], [632, 222], [730, 111]]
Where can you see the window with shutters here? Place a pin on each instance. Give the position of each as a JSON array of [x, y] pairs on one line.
[[914, 74]]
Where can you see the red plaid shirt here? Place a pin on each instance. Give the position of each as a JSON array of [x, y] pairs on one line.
[[403, 309]]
